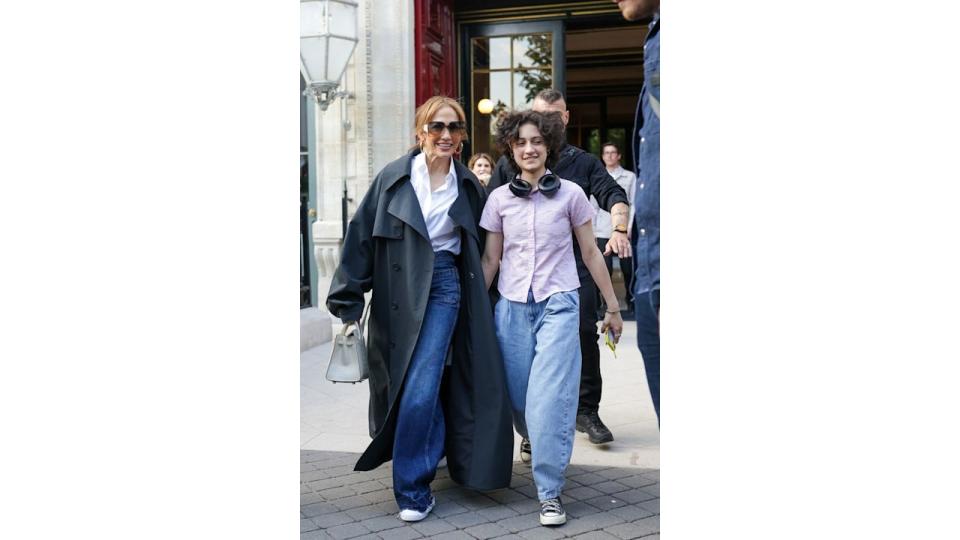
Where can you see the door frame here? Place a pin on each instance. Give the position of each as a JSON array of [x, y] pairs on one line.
[[557, 27]]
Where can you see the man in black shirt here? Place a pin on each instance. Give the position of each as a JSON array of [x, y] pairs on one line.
[[587, 171]]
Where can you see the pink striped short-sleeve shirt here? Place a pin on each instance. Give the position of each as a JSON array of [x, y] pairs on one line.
[[537, 239]]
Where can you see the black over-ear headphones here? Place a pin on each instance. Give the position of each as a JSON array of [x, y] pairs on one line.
[[549, 185]]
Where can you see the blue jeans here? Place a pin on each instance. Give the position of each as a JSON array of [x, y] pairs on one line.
[[540, 345], [647, 308], [419, 439]]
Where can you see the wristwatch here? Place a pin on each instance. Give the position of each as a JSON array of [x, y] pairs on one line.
[[620, 229]]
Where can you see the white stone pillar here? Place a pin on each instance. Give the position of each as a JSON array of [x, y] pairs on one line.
[[380, 116]]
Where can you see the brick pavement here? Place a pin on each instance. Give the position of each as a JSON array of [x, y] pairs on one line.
[[601, 502]]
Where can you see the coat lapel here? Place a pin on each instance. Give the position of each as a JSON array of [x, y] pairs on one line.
[[405, 207]]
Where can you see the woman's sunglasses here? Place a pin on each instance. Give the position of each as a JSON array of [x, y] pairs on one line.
[[436, 128]]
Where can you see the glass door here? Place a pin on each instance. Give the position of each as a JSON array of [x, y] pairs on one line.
[[507, 64]]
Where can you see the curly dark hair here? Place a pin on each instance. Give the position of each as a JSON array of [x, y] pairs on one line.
[[551, 128]]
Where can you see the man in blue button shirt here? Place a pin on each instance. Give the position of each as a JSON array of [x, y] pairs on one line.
[[646, 227]]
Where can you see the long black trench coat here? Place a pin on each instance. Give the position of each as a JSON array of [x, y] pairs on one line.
[[387, 248]]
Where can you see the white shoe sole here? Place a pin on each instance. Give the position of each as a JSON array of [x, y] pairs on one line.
[[413, 515], [555, 520]]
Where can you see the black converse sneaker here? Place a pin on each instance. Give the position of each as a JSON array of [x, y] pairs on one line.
[[525, 451], [551, 512]]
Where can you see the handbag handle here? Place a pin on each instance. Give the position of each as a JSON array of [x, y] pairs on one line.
[[360, 323]]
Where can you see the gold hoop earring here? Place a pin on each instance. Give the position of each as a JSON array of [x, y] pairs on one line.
[[460, 147]]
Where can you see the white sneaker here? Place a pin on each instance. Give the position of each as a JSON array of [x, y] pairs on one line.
[[416, 515]]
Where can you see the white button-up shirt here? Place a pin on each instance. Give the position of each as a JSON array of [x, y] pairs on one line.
[[435, 204]]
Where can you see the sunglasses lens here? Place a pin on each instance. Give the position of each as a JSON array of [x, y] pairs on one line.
[[437, 127]]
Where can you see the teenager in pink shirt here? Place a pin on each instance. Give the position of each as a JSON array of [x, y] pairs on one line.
[[531, 223]]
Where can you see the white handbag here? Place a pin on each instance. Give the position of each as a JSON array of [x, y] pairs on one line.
[[348, 360]]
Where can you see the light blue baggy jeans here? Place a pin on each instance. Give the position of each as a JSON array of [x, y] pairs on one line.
[[540, 345]]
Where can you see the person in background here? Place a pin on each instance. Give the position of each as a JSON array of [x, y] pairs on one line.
[[602, 225], [482, 165], [646, 232], [531, 222], [588, 172], [415, 242]]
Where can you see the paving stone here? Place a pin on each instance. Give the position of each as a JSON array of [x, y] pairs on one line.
[[628, 530], [382, 523], [349, 530], [404, 533], [310, 498], [477, 501], [589, 523], [389, 507], [588, 479], [332, 520], [634, 496], [596, 535], [370, 536], [454, 535], [653, 506], [509, 537], [637, 481], [631, 512], [582, 493], [496, 513], [442, 484], [347, 503], [305, 489], [504, 496], [616, 473], [318, 509], [378, 496], [325, 483], [453, 494], [366, 512], [528, 490], [609, 487], [520, 523], [312, 475], [366, 487], [466, 519], [318, 534], [433, 526], [606, 502], [332, 494], [541, 532], [485, 531], [529, 506], [448, 508], [307, 525], [650, 525], [579, 509]]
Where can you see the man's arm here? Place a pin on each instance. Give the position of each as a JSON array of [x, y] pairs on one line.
[[613, 199]]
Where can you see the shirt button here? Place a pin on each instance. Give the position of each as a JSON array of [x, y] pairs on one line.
[[643, 139], [643, 232], [394, 305], [641, 185], [396, 267]]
